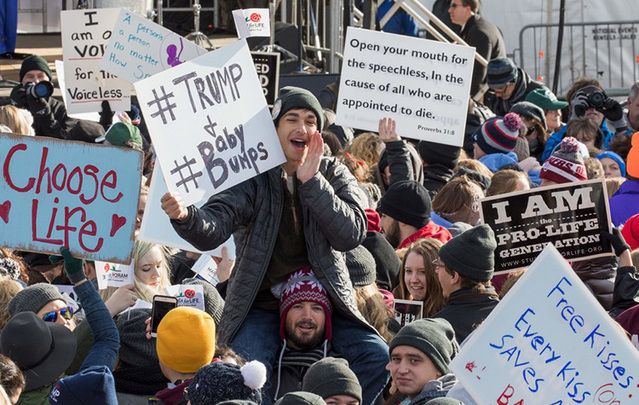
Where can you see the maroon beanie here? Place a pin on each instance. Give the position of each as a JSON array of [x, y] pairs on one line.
[[566, 163]]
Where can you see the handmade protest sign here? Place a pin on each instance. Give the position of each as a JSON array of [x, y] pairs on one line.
[[57, 193], [252, 22], [209, 123], [422, 84], [549, 342], [407, 311], [188, 295], [267, 66], [140, 48], [113, 274], [206, 268], [157, 228], [84, 37], [570, 216]]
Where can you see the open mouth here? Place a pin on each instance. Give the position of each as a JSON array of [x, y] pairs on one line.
[[298, 143]]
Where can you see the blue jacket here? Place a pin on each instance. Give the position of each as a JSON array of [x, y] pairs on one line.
[[399, 23], [555, 139], [625, 202]]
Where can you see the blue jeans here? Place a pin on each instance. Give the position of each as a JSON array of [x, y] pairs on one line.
[[366, 352]]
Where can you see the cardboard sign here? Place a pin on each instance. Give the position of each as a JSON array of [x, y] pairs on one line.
[[57, 193], [113, 274], [252, 22], [209, 123], [188, 295], [549, 342], [156, 226], [206, 268], [84, 37], [140, 48], [407, 311], [267, 66], [422, 84], [570, 216]]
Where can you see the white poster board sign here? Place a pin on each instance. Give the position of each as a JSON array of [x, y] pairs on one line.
[[549, 342], [252, 22], [210, 125], [206, 268], [422, 84], [156, 226], [140, 48], [113, 274], [188, 295], [85, 34]]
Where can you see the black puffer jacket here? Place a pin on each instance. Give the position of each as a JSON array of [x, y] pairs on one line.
[[599, 276], [334, 222]]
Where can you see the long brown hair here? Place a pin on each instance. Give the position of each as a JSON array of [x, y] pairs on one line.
[[371, 305], [434, 299]]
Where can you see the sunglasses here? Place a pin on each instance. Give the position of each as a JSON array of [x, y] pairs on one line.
[[66, 312]]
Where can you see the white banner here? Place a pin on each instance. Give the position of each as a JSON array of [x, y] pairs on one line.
[[549, 342], [140, 48], [210, 125], [422, 84], [113, 274], [252, 22], [85, 34]]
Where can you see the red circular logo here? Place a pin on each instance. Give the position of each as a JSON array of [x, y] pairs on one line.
[[255, 17], [189, 293]]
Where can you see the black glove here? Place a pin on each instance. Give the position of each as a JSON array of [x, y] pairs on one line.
[[106, 115], [19, 96], [617, 242], [72, 266], [579, 105], [613, 112]]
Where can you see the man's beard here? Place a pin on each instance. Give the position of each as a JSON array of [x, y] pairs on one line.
[[392, 234], [305, 341]]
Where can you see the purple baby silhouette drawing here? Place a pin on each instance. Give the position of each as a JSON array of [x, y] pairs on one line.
[[172, 59]]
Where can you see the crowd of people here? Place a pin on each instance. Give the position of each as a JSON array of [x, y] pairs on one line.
[[326, 242]]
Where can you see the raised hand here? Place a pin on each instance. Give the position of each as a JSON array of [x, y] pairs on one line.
[[173, 206], [311, 164], [386, 130]]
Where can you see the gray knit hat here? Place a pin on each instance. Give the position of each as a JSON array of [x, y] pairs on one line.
[[472, 253], [213, 302], [296, 97], [501, 71], [361, 266], [332, 376], [444, 401], [529, 110], [300, 398], [33, 298], [434, 337]]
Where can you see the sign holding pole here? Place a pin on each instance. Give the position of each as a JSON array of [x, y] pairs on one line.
[[549, 342], [210, 125], [422, 84], [85, 34], [570, 216]]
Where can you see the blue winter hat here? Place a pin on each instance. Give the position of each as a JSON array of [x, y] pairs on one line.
[[618, 159], [92, 385]]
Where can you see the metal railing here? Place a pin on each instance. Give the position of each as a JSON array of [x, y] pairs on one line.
[[606, 51]]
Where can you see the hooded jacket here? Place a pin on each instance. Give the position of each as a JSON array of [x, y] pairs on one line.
[[523, 86], [334, 222]]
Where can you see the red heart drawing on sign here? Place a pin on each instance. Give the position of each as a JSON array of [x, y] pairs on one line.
[[117, 222], [4, 211]]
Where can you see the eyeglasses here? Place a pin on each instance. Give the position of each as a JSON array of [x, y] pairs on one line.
[[453, 5], [66, 312]]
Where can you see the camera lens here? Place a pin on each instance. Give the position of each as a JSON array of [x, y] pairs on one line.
[[597, 99], [40, 90]]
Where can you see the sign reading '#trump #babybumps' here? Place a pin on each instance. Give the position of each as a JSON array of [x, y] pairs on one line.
[[85, 34], [549, 342], [210, 125], [140, 48], [57, 193], [422, 84]]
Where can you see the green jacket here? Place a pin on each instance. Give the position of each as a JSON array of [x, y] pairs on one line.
[[39, 396]]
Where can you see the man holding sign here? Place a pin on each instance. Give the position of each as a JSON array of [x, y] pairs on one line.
[[303, 213]]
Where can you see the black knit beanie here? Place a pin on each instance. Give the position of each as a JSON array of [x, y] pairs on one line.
[[437, 153], [34, 62], [300, 398], [387, 262], [434, 337], [332, 376], [361, 266], [406, 201], [472, 253], [296, 97]]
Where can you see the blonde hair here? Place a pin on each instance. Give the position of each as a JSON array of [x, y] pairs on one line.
[[8, 290], [428, 249], [144, 292], [15, 120], [459, 198], [613, 184], [476, 165], [366, 147], [371, 305], [505, 181]]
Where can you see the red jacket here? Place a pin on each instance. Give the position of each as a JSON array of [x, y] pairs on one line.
[[430, 230]]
